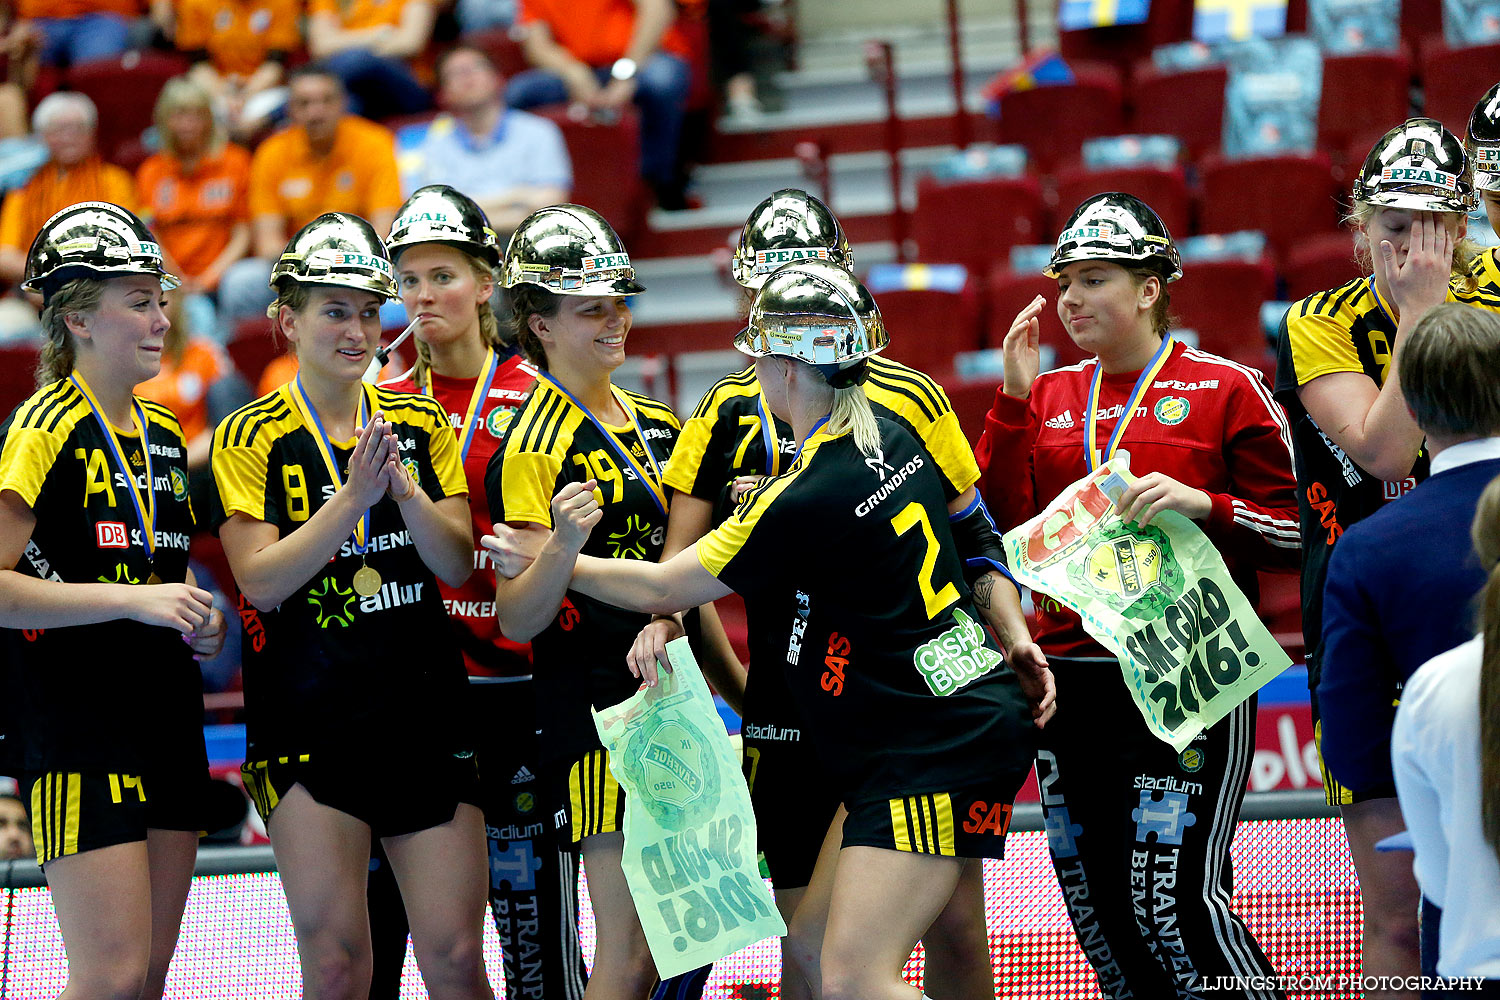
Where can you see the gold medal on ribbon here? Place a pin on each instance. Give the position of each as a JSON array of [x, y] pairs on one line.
[[366, 581], [153, 578]]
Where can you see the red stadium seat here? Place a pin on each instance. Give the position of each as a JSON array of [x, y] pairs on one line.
[[1009, 293], [970, 401], [17, 375], [1163, 189], [1189, 105], [975, 223], [1168, 21], [1453, 80], [1052, 121], [1286, 197], [1364, 94], [252, 346], [928, 326], [1221, 300], [124, 88], [1420, 19], [503, 50], [606, 166], [1319, 263]]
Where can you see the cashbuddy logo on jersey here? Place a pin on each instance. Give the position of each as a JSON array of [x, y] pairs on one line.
[[1131, 569], [956, 657]]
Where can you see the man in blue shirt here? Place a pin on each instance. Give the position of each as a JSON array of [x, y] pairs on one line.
[[1400, 589], [510, 162]]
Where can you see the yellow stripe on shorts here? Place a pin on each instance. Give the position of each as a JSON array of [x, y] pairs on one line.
[[900, 830], [1334, 793], [594, 796], [923, 824], [943, 805]]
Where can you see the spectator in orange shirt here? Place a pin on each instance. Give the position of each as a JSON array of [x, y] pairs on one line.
[[68, 123], [603, 54], [195, 192], [239, 50], [75, 31], [369, 45], [326, 160]]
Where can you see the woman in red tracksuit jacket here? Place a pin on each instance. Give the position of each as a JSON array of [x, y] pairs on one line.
[[1139, 834]]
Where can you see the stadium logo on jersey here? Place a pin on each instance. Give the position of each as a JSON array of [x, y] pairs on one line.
[[179, 483], [1061, 422], [767, 261], [956, 657], [1171, 410], [1131, 569], [498, 420], [1421, 175], [112, 535], [333, 604]]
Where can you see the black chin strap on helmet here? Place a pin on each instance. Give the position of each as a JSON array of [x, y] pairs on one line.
[[843, 378]]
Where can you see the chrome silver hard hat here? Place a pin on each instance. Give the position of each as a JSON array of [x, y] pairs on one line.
[[817, 312], [570, 250], [438, 213], [1119, 227], [93, 239], [789, 226], [338, 249], [1418, 165], [1483, 141]]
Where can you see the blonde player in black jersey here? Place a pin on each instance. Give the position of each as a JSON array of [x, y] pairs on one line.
[[1483, 146], [1356, 445], [926, 736], [338, 504], [568, 274], [731, 441], [96, 600]]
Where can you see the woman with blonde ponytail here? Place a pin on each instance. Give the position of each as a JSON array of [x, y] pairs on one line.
[[102, 618], [445, 256], [1446, 752], [913, 710]]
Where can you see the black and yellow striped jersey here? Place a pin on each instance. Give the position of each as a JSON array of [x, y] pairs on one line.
[[327, 668], [106, 696], [900, 684], [732, 433], [1345, 329], [1485, 270], [579, 659]]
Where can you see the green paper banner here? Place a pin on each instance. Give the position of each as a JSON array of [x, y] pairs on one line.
[[1158, 597], [690, 851]]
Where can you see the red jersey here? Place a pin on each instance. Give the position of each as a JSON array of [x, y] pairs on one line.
[[1207, 422], [471, 607]]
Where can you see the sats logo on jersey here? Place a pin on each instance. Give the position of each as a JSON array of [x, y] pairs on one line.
[[112, 535]]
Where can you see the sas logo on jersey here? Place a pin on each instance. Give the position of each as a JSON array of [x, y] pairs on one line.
[[1131, 569], [498, 420], [837, 661], [956, 657], [1170, 410], [1061, 422], [179, 483], [112, 535], [334, 604]]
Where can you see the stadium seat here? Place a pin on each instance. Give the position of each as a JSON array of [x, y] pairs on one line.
[[503, 50], [1164, 190], [1189, 105], [928, 326], [1052, 121], [975, 223], [1168, 21], [1453, 80], [1221, 300], [1287, 197], [970, 400], [606, 166], [1364, 94], [124, 88], [1318, 263], [1009, 293], [17, 374], [1420, 19], [251, 347]]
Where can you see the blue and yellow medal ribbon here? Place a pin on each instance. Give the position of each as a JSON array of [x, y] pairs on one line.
[[472, 416], [325, 448], [145, 515], [1092, 456], [653, 481], [768, 435], [803, 443]]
